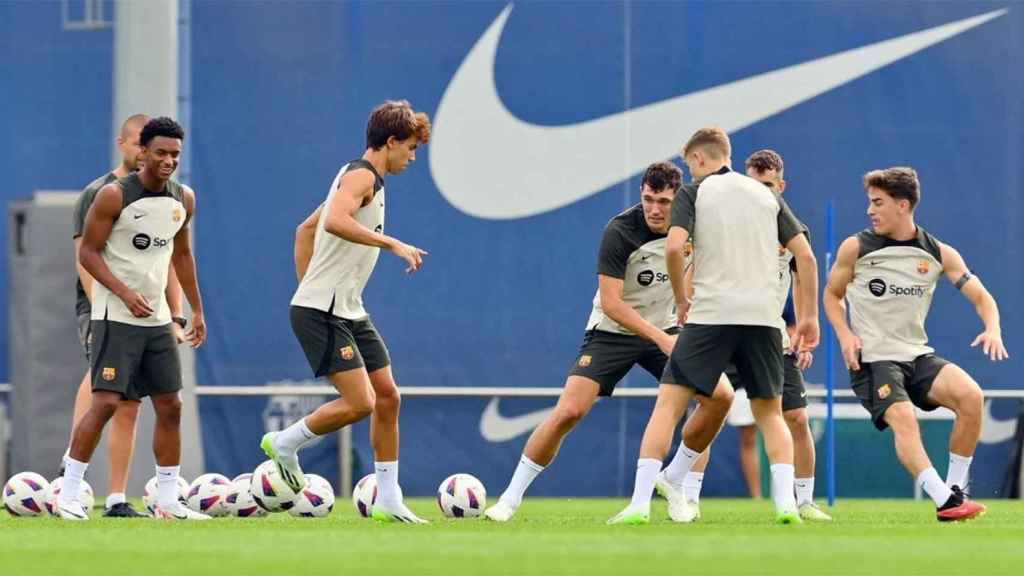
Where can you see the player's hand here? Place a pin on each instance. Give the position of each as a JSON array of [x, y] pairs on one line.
[[667, 342], [137, 304], [992, 345], [804, 359], [851, 346], [179, 332], [197, 335], [412, 255], [682, 311], [806, 336]]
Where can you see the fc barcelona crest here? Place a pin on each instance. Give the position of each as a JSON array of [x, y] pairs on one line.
[[109, 374], [584, 361], [923, 267], [347, 353]]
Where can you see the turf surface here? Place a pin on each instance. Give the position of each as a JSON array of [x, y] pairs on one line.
[[549, 536]]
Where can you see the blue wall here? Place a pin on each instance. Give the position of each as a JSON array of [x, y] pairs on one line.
[[280, 95]]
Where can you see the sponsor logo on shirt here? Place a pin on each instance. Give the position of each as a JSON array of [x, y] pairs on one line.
[[878, 287]]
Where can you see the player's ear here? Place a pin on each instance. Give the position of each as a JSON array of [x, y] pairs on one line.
[[782, 186]]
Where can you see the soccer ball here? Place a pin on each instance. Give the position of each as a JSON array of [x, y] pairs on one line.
[[240, 501], [269, 489], [151, 496], [208, 493], [25, 494], [85, 495], [364, 495], [316, 500], [461, 496]]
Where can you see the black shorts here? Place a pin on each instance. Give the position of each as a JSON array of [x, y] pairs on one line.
[[704, 351], [794, 393], [85, 334], [335, 344], [606, 357], [135, 361], [881, 384]]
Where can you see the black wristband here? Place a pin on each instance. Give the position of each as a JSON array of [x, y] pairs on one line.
[[180, 321]]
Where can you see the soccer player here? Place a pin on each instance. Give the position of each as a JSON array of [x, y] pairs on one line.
[[737, 226], [766, 166], [888, 274], [336, 249], [122, 428], [633, 322], [137, 227]]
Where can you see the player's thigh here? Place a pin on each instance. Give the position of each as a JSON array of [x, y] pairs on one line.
[[794, 392], [373, 350], [880, 385], [700, 356], [578, 397], [606, 358], [354, 385], [758, 360], [941, 383], [116, 354], [326, 340], [160, 369]]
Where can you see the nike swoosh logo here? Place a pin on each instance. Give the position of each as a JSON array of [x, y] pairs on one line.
[[476, 139], [995, 430], [137, 216], [497, 428]]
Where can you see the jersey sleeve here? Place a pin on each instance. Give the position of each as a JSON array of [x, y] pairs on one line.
[[789, 226], [614, 254], [82, 205], [684, 208]]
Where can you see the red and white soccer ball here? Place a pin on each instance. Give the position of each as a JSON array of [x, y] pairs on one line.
[[209, 493], [85, 495], [240, 502], [269, 489], [151, 496], [461, 496], [25, 494], [364, 495], [316, 500]]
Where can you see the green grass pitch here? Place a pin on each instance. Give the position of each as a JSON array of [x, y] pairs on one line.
[[548, 536]]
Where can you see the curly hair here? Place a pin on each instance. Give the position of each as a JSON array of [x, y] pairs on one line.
[[900, 182], [765, 160], [161, 126], [396, 118], [661, 175]]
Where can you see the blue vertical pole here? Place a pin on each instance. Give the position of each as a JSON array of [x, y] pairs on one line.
[[830, 424]]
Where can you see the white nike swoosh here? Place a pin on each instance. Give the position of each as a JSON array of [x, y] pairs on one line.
[[995, 430], [497, 428], [490, 164]]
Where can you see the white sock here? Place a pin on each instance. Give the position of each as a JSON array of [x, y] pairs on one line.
[[74, 473], [167, 486], [691, 486], [782, 487], [681, 463], [958, 467], [646, 472], [525, 472], [934, 486], [115, 498], [288, 441], [804, 490], [387, 481]]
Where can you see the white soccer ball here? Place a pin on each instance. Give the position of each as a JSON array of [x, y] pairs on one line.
[[151, 495], [316, 500], [85, 495], [461, 496], [208, 494], [25, 494], [240, 502], [269, 489], [364, 495]]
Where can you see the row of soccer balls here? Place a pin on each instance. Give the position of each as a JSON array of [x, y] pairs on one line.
[[247, 495]]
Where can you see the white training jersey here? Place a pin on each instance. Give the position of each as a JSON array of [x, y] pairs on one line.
[[339, 269], [138, 251]]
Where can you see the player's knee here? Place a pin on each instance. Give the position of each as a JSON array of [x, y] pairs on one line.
[[568, 415], [796, 420], [103, 407], [363, 404], [970, 402], [127, 413], [168, 409], [388, 402], [902, 419]]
